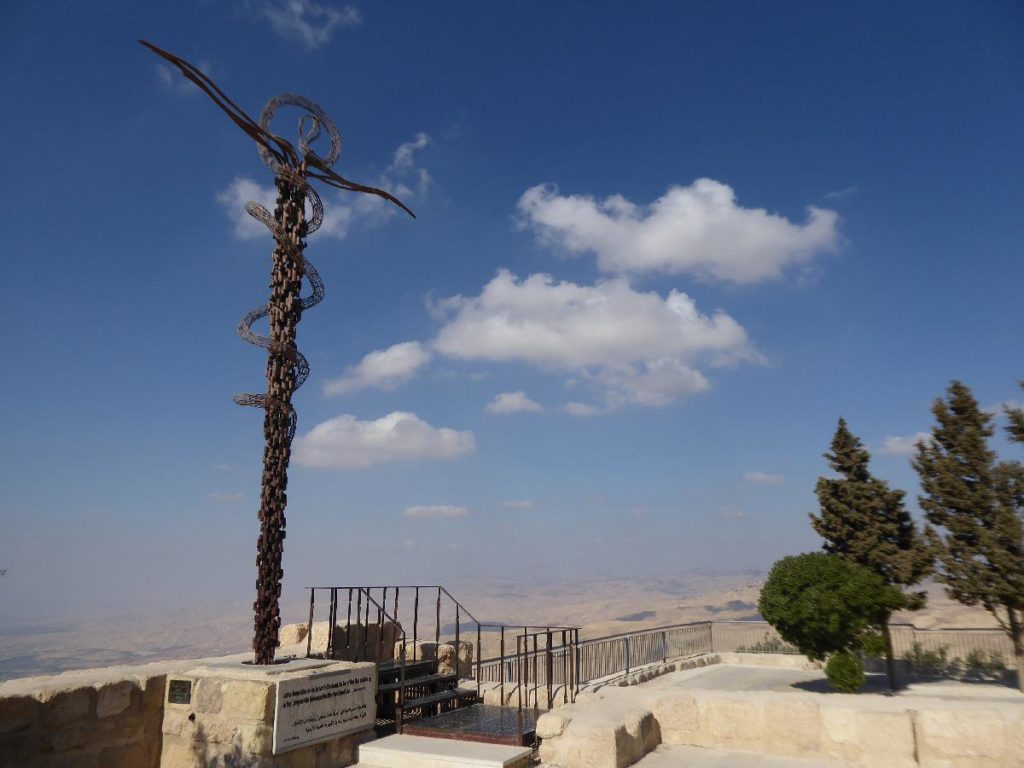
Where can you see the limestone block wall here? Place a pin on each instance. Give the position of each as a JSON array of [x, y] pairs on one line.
[[229, 721], [100, 719], [618, 725]]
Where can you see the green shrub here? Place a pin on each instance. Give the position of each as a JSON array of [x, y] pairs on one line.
[[823, 604], [873, 645], [767, 644], [845, 672]]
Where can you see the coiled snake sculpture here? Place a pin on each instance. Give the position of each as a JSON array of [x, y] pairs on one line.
[[287, 368]]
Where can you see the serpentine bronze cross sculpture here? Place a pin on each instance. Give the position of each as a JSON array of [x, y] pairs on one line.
[[287, 369]]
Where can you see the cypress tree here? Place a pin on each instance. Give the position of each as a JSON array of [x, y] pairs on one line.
[[1016, 427], [977, 502], [864, 521]]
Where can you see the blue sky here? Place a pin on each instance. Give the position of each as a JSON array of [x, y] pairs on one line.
[[668, 245]]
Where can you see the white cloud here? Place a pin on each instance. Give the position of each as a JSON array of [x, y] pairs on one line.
[[346, 442], [574, 408], [519, 504], [513, 402], [899, 446], [698, 229], [384, 369], [436, 511], [403, 178], [309, 22], [630, 346], [763, 478], [226, 497], [839, 194], [404, 155], [240, 191], [732, 513]]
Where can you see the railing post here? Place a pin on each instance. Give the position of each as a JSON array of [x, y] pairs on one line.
[[415, 622], [625, 652], [332, 613], [309, 627], [664, 646], [437, 628], [549, 668], [577, 653], [502, 668], [348, 627]]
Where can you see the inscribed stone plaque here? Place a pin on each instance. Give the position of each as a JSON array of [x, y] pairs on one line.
[[319, 707], [179, 692]]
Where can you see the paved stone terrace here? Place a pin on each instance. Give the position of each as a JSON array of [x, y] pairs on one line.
[[672, 756]]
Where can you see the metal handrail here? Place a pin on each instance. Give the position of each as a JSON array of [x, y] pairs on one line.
[[569, 636]]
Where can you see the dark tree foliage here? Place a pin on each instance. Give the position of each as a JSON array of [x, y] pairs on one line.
[[845, 672], [1016, 427], [976, 502], [823, 604], [864, 521]]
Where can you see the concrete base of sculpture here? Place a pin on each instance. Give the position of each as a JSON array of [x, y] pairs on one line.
[[305, 713]]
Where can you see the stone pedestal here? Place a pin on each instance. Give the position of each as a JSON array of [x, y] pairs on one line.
[[302, 714]]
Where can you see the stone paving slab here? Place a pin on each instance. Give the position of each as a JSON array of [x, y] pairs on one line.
[[403, 751], [670, 756]]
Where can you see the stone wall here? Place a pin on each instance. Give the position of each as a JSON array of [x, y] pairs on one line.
[[229, 720], [617, 726], [94, 719]]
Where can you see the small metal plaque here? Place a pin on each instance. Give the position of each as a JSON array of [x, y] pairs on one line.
[[179, 692]]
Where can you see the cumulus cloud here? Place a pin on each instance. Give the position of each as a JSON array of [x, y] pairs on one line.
[[308, 22], [582, 410], [763, 478], [346, 442], [513, 402], [383, 369], [698, 229], [519, 504], [901, 446], [632, 347], [402, 177], [435, 511]]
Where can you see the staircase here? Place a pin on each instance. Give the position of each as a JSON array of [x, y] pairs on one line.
[[421, 692], [418, 636]]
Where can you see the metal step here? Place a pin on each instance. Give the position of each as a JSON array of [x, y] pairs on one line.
[[479, 722], [411, 682], [455, 694], [391, 670]]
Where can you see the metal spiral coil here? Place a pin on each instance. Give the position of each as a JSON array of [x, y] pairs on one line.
[[316, 119]]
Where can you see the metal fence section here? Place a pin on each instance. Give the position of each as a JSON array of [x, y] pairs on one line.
[[747, 637], [954, 644]]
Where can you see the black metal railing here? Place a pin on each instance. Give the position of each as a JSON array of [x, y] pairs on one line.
[[543, 657]]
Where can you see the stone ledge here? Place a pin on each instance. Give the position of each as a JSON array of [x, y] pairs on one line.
[[609, 729]]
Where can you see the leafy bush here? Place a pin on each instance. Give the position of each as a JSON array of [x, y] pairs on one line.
[[767, 644], [845, 672], [873, 645], [822, 604], [935, 662]]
